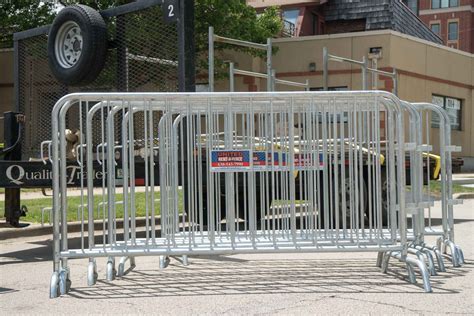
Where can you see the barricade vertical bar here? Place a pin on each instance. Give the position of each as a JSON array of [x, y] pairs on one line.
[[211, 59]]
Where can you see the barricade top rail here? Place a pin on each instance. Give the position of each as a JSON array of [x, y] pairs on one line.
[[141, 96]]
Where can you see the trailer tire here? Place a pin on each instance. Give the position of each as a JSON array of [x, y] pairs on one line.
[[77, 45]]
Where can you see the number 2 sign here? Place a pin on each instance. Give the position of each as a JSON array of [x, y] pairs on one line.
[[170, 10]]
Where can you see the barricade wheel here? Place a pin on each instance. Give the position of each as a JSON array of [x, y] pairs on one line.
[[77, 45]]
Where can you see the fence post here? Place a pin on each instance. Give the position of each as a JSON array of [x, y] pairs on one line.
[[12, 195], [364, 73], [231, 77], [269, 65], [272, 80], [395, 82], [375, 75], [325, 69], [211, 59]]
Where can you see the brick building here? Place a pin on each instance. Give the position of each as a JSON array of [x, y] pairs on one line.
[[452, 20], [318, 17]]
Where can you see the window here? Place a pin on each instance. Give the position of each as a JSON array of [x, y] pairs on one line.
[[452, 106], [437, 4], [289, 21], [291, 15], [435, 28], [412, 4], [315, 24], [452, 31]]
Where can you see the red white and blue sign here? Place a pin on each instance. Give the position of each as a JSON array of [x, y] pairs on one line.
[[307, 160], [230, 160], [239, 161], [262, 160]]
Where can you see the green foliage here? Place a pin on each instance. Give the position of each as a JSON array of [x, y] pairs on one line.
[[19, 15], [97, 4], [232, 18]]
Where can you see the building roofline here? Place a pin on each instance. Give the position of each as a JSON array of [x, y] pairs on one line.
[[413, 14], [370, 33]]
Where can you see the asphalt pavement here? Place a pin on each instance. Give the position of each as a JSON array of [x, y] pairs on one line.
[[285, 284]]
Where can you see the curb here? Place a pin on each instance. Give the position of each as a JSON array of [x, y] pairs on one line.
[[33, 230]]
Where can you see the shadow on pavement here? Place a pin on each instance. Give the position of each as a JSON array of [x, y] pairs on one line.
[[225, 276]]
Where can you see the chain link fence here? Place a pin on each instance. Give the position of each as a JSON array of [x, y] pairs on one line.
[[142, 56]]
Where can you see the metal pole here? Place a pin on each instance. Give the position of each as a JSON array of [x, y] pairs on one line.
[[211, 59], [375, 75], [272, 80], [231, 77], [325, 69], [269, 65], [395, 82], [307, 85], [12, 195], [364, 73]]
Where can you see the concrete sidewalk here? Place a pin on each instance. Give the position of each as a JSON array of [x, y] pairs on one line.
[[463, 178], [285, 284]]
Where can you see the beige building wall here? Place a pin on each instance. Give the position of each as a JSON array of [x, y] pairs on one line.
[[424, 69]]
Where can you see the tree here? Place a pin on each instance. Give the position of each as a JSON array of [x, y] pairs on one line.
[[235, 19], [20, 15], [230, 18]]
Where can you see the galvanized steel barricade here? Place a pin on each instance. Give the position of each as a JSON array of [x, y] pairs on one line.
[[442, 171], [226, 173]]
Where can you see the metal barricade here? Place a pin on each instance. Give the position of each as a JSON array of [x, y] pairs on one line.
[[227, 173], [442, 170]]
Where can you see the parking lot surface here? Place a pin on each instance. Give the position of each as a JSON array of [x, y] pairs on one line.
[[336, 283]]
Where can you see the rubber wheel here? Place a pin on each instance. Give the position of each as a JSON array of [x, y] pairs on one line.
[[77, 45]]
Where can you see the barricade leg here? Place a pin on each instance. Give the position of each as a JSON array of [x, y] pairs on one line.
[[411, 273], [454, 253], [185, 260], [164, 262], [91, 272], [54, 285], [121, 267], [111, 272], [424, 255], [461, 255], [425, 274], [437, 253], [64, 281], [379, 259]]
